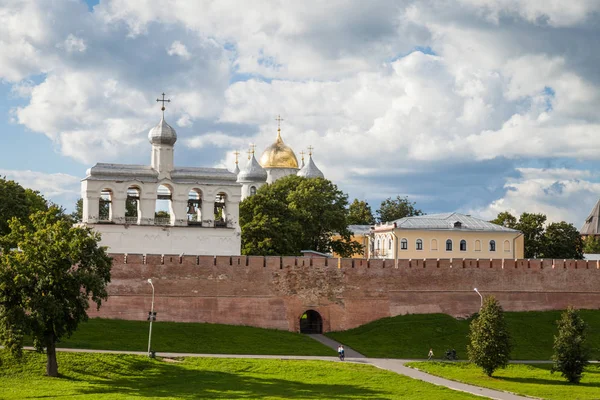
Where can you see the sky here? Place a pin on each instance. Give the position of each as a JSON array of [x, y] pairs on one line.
[[474, 106]]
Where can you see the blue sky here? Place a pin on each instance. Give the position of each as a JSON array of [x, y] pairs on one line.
[[470, 106]]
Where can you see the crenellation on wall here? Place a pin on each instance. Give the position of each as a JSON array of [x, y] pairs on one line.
[[273, 291]]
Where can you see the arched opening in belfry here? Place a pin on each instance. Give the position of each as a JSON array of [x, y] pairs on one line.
[[220, 210], [105, 206], [311, 322], [164, 206], [132, 205], [194, 207]]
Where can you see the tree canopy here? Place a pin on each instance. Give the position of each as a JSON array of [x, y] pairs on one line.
[[557, 240], [49, 270], [489, 340], [359, 213], [18, 202], [393, 209], [571, 352], [294, 214], [591, 245]]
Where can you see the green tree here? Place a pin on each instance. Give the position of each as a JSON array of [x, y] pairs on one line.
[[77, 215], [162, 214], [532, 226], [570, 351], [46, 285], [18, 202], [489, 340], [393, 209], [295, 214], [359, 213], [591, 245], [562, 240], [506, 220]]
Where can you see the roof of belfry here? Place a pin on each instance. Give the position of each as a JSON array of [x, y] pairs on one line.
[[592, 222], [448, 221]]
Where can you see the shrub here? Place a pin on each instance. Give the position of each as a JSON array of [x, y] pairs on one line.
[[570, 351]]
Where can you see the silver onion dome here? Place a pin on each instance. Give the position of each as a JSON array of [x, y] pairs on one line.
[[310, 170], [162, 133], [253, 172]]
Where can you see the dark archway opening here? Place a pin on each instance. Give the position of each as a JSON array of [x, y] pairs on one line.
[[311, 322]]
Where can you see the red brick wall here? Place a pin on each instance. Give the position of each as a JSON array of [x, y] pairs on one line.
[[273, 292]]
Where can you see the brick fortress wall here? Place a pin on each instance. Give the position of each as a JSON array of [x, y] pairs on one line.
[[273, 292]]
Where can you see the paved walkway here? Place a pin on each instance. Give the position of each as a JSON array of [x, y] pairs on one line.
[[397, 366], [394, 365]]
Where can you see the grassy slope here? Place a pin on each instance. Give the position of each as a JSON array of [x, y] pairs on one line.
[[411, 336], [191, 338], [108, 376], [530, 380]]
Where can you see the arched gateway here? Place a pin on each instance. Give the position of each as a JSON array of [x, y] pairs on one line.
[[311, 322]]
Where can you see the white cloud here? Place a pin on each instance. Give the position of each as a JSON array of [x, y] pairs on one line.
[[50, 185], [73, 44], [217, 139], [178, 49], [560, 194]]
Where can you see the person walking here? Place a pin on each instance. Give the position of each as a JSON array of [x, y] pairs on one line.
[[341, 352], [430, 354]]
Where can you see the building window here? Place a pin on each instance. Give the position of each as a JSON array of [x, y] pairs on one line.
[[390, 244], [448, 245], [492, 245], [478, 245], [458, 224], [404, 244], [434, 244], [377, 244], [220, 210], [252, 190], [463, 245], [506, 246], [419, 244], [105, 206]]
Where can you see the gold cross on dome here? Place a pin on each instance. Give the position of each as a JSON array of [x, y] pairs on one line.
[[302, 154], [310, 149], [252, 147], [278, 119], [250, 152], [163, 102], [237, 153]]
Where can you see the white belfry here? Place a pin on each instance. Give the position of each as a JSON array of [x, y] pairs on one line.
[[162, 209]]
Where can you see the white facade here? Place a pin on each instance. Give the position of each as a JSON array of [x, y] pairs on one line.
[[202, 204], [277, 173]]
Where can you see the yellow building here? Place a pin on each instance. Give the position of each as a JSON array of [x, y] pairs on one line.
[[449, 235], [360, 234]]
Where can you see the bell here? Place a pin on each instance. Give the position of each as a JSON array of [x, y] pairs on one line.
[[191, 209]]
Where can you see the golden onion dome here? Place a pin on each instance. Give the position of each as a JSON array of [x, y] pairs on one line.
[[278, 155]]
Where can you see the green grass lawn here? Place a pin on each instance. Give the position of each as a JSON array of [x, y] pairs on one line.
[[110, 376], [179, 337], [411, 336], [530, 380]]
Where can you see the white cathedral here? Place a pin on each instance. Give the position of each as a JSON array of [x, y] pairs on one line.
[[163, 209]]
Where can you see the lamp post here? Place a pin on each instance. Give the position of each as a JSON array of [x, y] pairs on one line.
[[481, 304], [151, 317]]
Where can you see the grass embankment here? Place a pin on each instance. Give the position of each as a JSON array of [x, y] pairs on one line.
[[110, 376], [107, 334], [411, 336], [530, 380]]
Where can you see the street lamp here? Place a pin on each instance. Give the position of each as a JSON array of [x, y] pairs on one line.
[[151, 317], [481, 305]]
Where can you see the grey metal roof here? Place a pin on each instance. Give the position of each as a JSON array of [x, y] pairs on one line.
[[448, 221], [359, 229], [162, 133], [193, 174], [310, 170], [253, 172], [114, 172], [592, 222]]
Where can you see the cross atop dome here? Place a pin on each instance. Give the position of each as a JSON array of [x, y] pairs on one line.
[[163, 103]]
